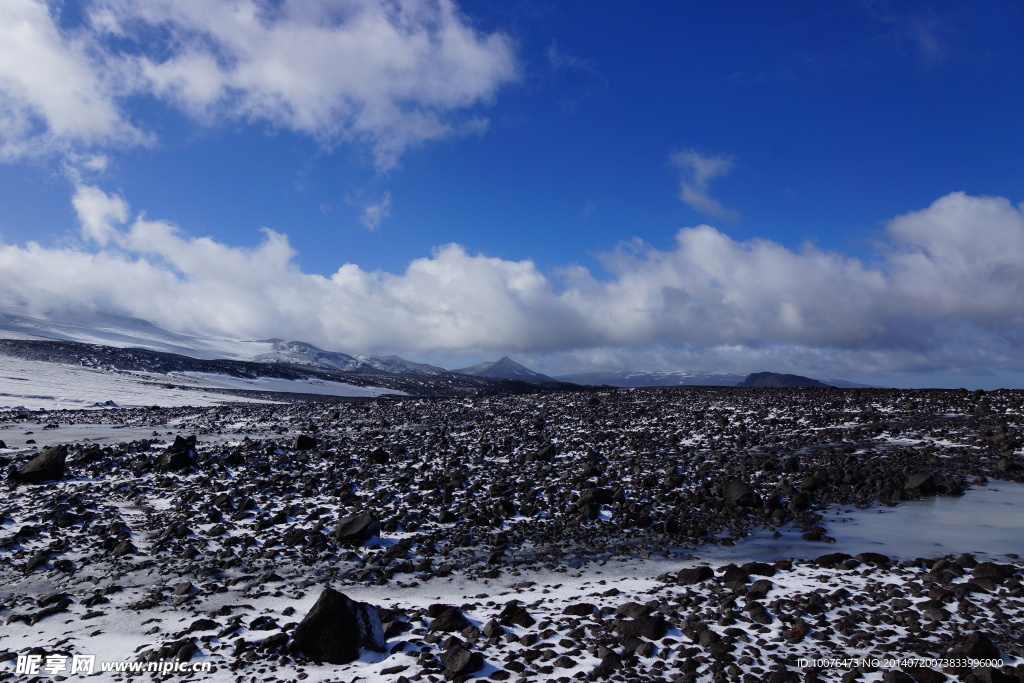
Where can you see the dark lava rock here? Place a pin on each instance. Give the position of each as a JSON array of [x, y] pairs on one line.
[[492, 629], [179, 455], [978, 646], [452, 619], [515, 614], [759, 569], [544, 453], [596, 495], [632, 610], [379, 456], [356, 529], [336, 627], [993, 571], [875, 558], [741, 493], [202, 625], [580, 609], [47, 466], [609, 664], [650, 627], [897, 677], [758, 614], [125, 547], [921, 483], [304, 442], [695, 575], [759, 589], [731, 573], [922, 674], [458, 661], [832, 559]]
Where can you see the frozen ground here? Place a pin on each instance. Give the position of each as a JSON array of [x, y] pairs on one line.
[[987, 521], [598, 504]]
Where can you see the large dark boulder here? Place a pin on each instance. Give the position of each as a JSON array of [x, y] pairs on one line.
[[516, 615], [695, 575], [832, 559], [741, 493], [337, 627], [595, 495], [652, 627], [304, 442], [580, 609], [991, 570], [545, 453], [356, 529], [451, 619], [179, 455], [47, 466], [920, 483], [458, 661], [977, 646]]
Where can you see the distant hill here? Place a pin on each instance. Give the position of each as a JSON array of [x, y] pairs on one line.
[[506, 368], [774, 379], [653, 378], [302, 353]]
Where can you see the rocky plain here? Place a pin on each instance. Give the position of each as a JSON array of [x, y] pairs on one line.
[[548, 536]]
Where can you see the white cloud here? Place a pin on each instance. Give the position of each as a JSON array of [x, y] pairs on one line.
[[384, 73], [99, 213], [946, 294], [696, 173], [54, 90], [374, 213]]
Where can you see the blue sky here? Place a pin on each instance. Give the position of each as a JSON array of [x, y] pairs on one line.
[[529, 178]]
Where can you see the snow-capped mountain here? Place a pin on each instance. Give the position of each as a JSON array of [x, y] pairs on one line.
[[126, 332], [397, 365], [506, 368], [302, 353], [88, 359]]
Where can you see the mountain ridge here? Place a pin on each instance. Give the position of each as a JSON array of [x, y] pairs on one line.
[[504, 368], [779, 380]]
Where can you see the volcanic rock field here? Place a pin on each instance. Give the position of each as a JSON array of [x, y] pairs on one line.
[[550, 536]]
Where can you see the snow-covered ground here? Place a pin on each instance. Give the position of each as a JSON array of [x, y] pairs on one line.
[[124, 332], [50, 386]]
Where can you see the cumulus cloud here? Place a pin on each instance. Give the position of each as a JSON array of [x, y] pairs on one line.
[[54, 90], [387, 74], [696, 173], [99, 213], [946, 293]]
